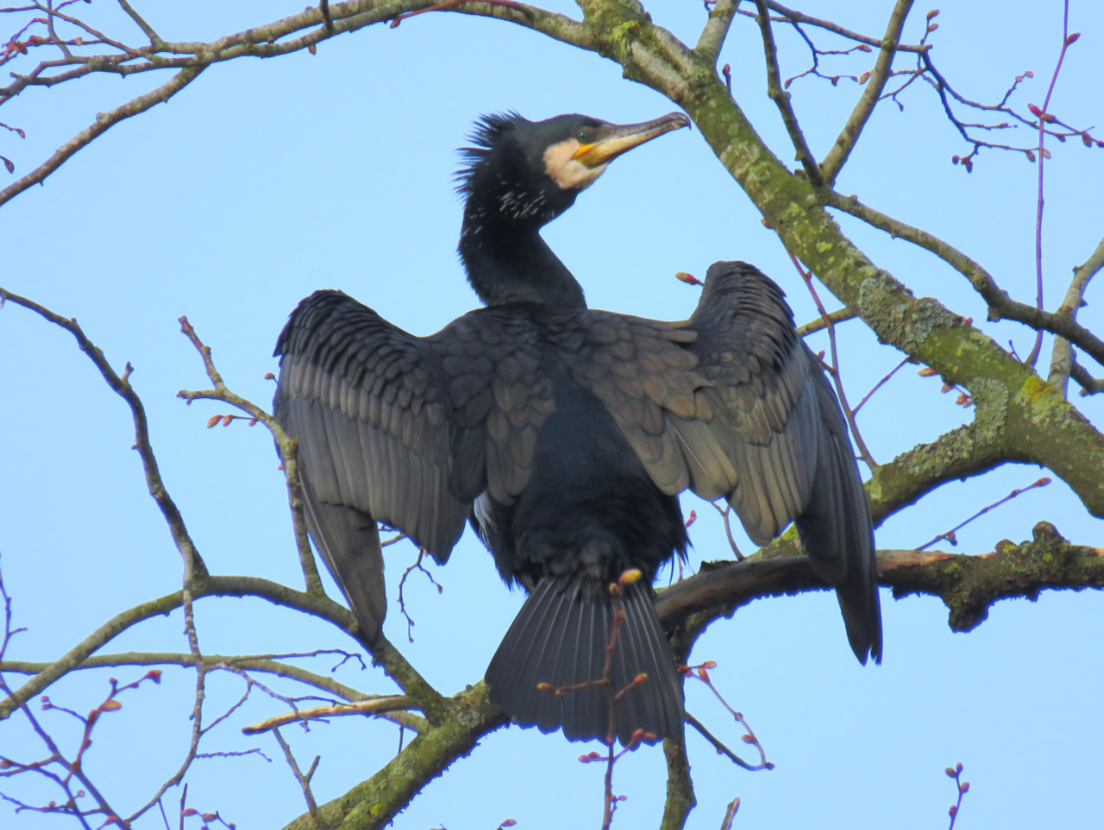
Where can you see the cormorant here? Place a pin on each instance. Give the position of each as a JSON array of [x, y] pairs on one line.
[[565, 435]]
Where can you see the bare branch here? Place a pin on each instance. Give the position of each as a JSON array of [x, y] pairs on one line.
[[264, 41], [103, 122], [782, 98], [716, 29], [968, 590], [193, 563], [254, 663], [286, 446], [154, 38], [1089, 385], [304, 780], [375, 706], [837, 316], [950, 534], [1062, 361], [680, 785], [828, 25], [876, 81], [1001, 306]]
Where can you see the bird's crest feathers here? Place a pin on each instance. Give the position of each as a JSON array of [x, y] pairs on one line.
[[485, 132]]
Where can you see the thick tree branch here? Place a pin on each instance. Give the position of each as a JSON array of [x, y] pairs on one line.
[[680, 785], [375, 802], [876, 81], [964, 452], [968, 585]]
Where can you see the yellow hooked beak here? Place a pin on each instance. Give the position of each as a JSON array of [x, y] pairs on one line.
[[613, 140]]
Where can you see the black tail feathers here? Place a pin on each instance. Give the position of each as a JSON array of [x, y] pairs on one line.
[[550, 670]]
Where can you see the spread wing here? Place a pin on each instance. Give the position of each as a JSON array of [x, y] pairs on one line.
[[732, 403], [402, 430]]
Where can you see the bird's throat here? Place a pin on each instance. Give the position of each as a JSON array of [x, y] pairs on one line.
[[506, 264]]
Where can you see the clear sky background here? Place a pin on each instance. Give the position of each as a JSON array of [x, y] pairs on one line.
[[266, 180]]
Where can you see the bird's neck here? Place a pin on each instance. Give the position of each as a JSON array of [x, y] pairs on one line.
[[509, 262]]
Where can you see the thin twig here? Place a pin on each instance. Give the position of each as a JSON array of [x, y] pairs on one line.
[[800, 17], [879, 385], [286, 446], [719, 745], [963, 787], [730, 814], [193, 562], [837, 316], [950, 534], [304, 780], [864, 452], [1043, 117]]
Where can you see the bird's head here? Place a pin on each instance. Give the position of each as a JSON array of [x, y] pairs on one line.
[[529, 172]]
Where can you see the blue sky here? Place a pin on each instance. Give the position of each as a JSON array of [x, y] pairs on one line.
[[265, 180]]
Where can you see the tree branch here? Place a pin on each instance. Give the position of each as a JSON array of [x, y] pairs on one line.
[[716, 30], [837, 316], [781, 97], [103, 122], [264, 41], [968, 585], [876, 81], [828, 25], [211, 661], [193, 563], [1061, 361], [1001, 306], [680, 785], [372, 804], [285, 445], [375, 706]]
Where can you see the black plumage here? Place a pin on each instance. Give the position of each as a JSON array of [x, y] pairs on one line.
[[565, 435]]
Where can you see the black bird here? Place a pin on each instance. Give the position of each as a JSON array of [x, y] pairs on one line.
[[565, 435]]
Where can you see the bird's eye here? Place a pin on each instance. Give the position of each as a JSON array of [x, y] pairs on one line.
[[583, 137]]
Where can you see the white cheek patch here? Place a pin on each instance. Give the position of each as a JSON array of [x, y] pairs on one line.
[[567, 172]]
